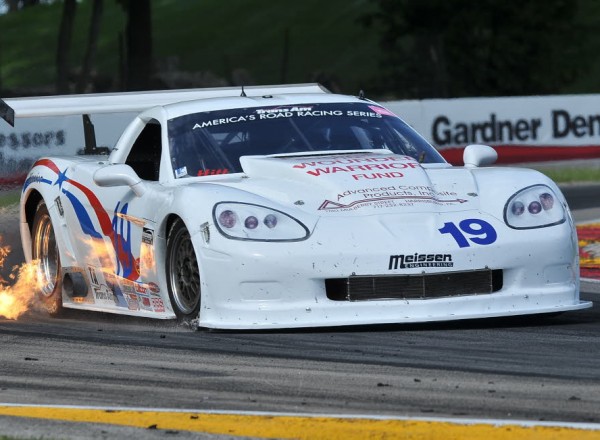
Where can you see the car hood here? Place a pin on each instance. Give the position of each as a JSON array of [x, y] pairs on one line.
[[362, 183]]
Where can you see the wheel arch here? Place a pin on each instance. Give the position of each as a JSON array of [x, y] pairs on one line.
[[28, 209], [30, 206], [168, 223]]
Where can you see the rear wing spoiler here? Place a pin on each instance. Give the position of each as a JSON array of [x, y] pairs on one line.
[[69, 105], [128, 102]]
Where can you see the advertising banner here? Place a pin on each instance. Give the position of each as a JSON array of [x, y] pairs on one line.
[[32, 138], [522, 129]]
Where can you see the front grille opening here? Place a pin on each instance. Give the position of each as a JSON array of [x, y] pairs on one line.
[[418, 286]]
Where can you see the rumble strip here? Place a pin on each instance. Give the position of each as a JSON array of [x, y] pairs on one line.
[[279, 425]]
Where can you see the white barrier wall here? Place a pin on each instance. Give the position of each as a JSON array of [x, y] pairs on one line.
[[521, 128], [36, 137]]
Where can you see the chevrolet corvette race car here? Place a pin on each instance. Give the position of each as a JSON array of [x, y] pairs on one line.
[[287, 206]]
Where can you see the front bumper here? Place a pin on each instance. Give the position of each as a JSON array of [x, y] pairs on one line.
[[277, 285]]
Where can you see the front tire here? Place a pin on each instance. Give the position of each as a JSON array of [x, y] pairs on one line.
[[44, 249], [183, 274]]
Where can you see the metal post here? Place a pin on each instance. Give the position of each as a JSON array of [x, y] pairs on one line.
[[1, 93]]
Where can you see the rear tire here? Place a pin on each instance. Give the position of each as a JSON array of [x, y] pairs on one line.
[[183, 274], [44, 249]]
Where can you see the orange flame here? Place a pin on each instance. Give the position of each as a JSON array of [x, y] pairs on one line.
[[19, 295], [101, 250], [146, 260]]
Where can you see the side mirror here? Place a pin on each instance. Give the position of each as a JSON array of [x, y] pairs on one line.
[[479, 155], [120, 175]]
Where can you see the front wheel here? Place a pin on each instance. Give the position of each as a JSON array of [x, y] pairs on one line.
[[183, 274], [44, 250]]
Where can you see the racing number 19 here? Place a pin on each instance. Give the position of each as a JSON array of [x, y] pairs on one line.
[[479, 232]]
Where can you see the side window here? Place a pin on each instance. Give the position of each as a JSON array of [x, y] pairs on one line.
[[144, 156]]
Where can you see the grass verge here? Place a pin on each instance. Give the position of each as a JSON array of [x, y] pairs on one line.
[[573, 175], [9, 197]]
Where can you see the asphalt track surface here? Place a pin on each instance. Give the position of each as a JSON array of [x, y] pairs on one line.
[[528, 368]]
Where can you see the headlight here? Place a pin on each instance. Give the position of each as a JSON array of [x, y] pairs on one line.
[[246, 221], [533, 207]]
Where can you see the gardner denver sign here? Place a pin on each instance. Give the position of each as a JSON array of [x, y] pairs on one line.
[[528, 128], [493, 130]]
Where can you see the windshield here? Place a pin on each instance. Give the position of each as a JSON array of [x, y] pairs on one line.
[[211, 143]]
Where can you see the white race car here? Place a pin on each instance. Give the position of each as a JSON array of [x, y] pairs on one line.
[[288, 206]]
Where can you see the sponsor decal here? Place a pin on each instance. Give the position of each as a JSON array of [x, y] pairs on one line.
[[153, 287], [111, 282], [390, 196], [386, 202], [354, 159], [381, 110], [145, 303], [395, 190], [410, 261], [93, 276], [181, 172], [307, 111], [140, 288], [148, 236], [221, 121], [59, 206], [289, 112], [127, 286], [33, 179], [361, 114], [103, 292], [276, 110], [391, 175], [132, 302], [388, 164], [210, 172], [158, 305]]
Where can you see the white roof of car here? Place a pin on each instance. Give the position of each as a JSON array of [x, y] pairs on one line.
[[206, 105]]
